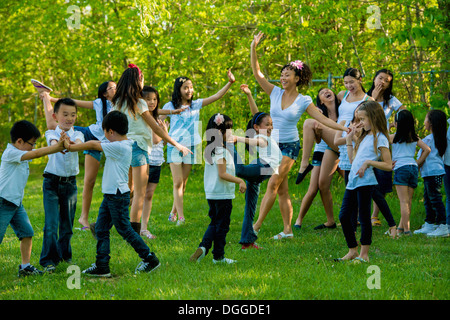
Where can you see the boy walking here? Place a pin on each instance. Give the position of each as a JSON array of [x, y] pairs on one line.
[[14, 172], [116, 196], [60, 188]]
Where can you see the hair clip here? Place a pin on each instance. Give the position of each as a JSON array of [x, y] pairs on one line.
[[297, 64], [219, 119]]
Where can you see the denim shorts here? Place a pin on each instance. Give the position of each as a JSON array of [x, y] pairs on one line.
[[154, 172], [406, 176], [88, 136], [290, 149], [17, 217], [317, 158], [175, 156], [139, 157]]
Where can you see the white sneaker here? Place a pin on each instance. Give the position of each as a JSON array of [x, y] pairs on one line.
[[224, 260], [441, 231], [426, 228]]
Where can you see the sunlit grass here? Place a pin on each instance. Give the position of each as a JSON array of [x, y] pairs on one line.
[[300, 268]]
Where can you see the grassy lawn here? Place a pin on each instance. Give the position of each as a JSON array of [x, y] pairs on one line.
[[414, 268]]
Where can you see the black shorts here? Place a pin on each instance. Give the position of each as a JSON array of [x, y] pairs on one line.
[[154, 172]]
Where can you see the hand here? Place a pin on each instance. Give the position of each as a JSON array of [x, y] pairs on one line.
[[393, 164], [242, 186], [230, 75], [257, 39], [231, 139], [44, 95], [245, 89], [180, 110], [163, 124], [376, 91], [363, 168], [185, 151]]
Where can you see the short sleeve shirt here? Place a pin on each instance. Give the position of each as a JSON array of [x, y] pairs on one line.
[[117, 164]]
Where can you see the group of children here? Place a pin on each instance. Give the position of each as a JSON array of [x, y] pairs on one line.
[[351, 131]]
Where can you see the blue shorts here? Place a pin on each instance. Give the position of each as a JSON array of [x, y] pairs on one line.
[[139, 157], [88, 136], [175, 156], [406, 176], [17, 217], [290, 149]]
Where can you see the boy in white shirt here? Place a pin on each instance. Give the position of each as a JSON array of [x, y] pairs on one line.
[[60, 188], [116, 196], [14, 172]]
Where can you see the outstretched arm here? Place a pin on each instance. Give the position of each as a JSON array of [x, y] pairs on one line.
[[251, 101], [221, 92], [37, 153], [314, 112], [263, 82]]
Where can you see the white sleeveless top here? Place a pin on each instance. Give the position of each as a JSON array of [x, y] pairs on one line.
[[346, 109]]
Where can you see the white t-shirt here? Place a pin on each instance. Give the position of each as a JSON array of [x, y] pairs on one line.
[[13, 175], [366, 152], [215, 187], [285, 121], [403, 153], [96, 128], [63, 165], [434, 163], [271, 154], [117, 164], [138, 129], [184, 127]]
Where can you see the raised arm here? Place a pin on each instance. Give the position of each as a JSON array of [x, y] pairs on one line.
[[251, 101], [48, 111], [222, 91], [263, 82]]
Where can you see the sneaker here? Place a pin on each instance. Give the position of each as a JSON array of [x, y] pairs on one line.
[[29, 271], [250, 246], [199, 254], [441, 231], [224, 260], [50, 268], [181, 221], [149, 264], [172, 217], [426, 228], [97, 271]]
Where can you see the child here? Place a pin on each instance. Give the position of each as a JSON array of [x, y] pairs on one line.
[[406, 171], [370, 146], [219, 180], [60, 188], [14, 173], [260, 169], [102, 105], [446, 233], [116, 196], [184, 129], [141, 124], [432, 172]]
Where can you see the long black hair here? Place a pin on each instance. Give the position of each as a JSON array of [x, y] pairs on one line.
[[129, 90], [250, 131], [324, 108], [406, 131], [146, 91], [176, 94], [355, 73], [387, 94], [102, 89], [438, 121], [217, 126]]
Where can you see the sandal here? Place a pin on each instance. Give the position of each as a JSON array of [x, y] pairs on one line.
[[376, 222], [359, 260], [147, 234], [172, 217], [40, 87], [283, 235]]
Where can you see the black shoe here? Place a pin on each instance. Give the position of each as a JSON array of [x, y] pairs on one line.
[[323, 226], [50, 268], [95, 271], [302, 175], [29, 271], [148, 264]]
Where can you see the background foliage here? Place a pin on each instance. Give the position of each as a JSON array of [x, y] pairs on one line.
[[73, 46]]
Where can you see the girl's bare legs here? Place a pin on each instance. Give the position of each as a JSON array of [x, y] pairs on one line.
[[140, 179], [147, 206], [329, 164], [284, 201], [91, 167], [272, 190], [309, 196], [364, 253], [180, 175], [405, 194]]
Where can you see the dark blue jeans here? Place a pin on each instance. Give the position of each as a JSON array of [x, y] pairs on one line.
[[254, 174], [219, 212], [60, 201], [114, 212], [432, 200], [357, 201]]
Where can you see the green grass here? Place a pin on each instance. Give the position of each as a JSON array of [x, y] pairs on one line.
[[413, 268]]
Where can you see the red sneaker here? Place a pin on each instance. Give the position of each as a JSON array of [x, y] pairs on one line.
[[250, 246]]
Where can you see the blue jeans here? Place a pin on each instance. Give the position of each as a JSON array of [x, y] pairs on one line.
[[17, 217], [254, 174], [447, 192], [432, 200], [114, 212], [219, 212], [357, 201], [60, 202]]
